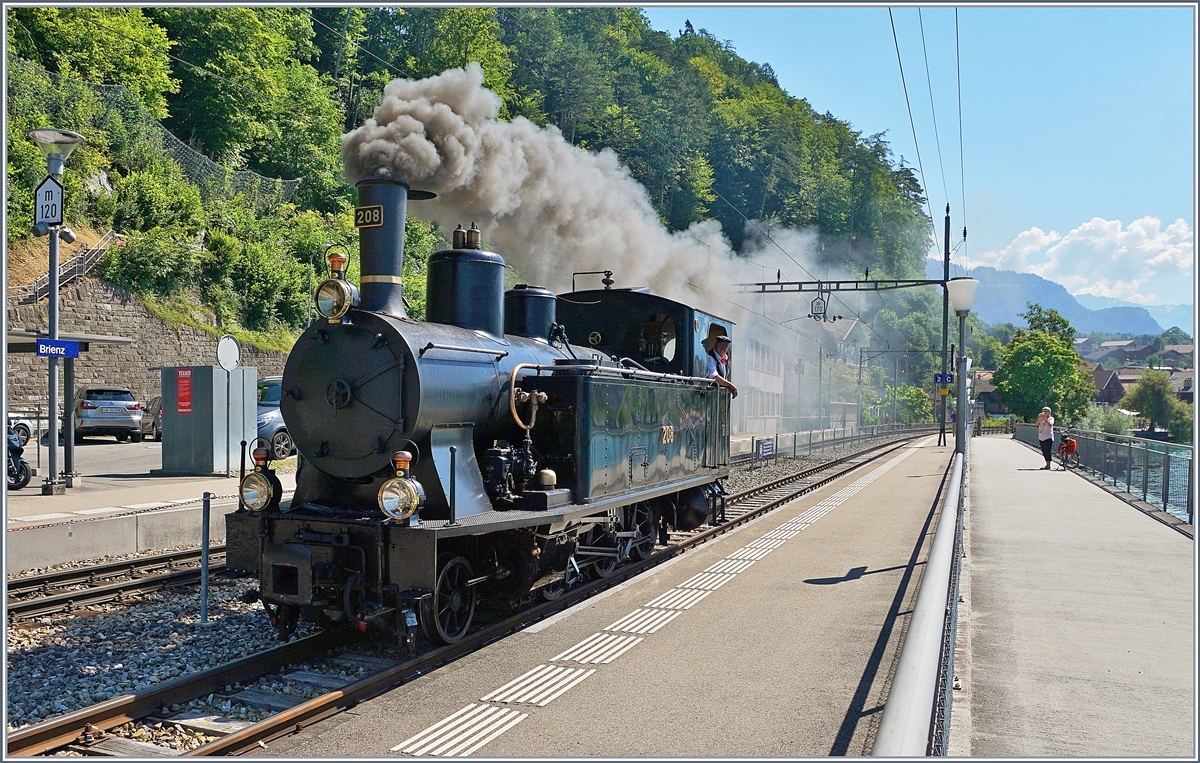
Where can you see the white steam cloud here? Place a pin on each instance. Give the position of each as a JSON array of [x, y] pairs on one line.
[[547, 206], [551, 208]]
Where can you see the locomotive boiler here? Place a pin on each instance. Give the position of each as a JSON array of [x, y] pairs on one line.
[[479, 452]]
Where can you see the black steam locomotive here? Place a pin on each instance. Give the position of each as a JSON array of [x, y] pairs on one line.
[[478, 453]]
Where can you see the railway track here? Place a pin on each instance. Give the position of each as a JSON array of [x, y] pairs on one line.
[[86, 731], [71, 589]]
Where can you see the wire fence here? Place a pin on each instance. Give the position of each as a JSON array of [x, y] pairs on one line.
[[1159, 473], [128, 128]]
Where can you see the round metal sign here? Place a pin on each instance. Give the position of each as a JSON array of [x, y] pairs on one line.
[[229, 352]]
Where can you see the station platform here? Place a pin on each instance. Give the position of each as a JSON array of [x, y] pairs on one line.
[[1077, 635], [775, 640]]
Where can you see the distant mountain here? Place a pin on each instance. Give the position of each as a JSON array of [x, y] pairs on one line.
[[1166, 315], [1003, 294]]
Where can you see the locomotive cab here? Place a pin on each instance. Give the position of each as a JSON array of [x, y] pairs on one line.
[[656, 333]]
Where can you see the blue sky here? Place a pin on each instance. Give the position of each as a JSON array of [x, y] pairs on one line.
[[1077, 125]]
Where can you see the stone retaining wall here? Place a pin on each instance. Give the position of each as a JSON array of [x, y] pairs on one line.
[[94, 306]]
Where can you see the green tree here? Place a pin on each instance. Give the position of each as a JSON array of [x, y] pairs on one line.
[[1050, 321], [911, 403], [1039, 369], [114, 46], [1153, 397], [1180, 427]]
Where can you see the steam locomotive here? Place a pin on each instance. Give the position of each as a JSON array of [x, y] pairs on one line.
[[478, 453]]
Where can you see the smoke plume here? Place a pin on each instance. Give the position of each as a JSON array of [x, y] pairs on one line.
[[547, 206]]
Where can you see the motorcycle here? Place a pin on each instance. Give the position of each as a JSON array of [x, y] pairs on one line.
[[19, 472]]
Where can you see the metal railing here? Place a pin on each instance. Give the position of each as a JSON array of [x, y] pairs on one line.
[[982, 429], [792, 444], [1159, 473], [916, 717]]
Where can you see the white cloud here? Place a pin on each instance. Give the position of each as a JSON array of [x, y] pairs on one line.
[[1101, 257], [1014, 256]]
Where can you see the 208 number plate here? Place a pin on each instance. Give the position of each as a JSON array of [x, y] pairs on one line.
[[368, 217]]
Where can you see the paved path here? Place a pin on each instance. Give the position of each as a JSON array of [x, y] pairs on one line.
[[1080, 619], [790, 655], [116, 480]]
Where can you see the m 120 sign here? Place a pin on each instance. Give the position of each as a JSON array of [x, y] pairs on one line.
[[183, 391]]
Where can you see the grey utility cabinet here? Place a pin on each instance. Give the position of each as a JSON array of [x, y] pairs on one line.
[[200, 404]]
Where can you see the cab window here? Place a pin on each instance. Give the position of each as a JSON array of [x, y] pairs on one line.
[[658, 340]]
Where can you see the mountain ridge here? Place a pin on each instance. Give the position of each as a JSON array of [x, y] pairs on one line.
[[1003, 295]]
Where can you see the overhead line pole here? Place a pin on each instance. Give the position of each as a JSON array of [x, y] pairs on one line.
[[945, 325]]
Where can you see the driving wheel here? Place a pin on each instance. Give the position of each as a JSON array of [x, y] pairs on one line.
[[447, 614]]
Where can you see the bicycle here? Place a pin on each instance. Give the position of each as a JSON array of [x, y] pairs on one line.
[[1068, 452]]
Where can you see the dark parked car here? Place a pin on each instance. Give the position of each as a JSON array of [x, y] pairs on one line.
[[107, 411], [152, 419], [270, 420]]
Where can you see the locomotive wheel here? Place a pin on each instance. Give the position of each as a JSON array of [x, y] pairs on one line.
[[448, 613], [554, 591], [604, 566], [644, 516]]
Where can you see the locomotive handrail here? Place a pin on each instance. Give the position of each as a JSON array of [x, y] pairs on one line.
[[622, 371], [480, 350]]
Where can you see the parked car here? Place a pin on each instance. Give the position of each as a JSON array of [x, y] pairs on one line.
[[152, 419], [107, 411], [22, 426], [270, 419]]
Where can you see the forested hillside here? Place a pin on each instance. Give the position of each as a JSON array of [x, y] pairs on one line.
[[271, 90]]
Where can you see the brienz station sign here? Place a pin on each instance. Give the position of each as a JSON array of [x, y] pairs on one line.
[[57, 348]]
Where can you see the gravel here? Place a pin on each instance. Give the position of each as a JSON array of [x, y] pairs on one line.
[[65, 662]]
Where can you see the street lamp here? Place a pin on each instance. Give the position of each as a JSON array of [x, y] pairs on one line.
[[962, 296], [56, 145]]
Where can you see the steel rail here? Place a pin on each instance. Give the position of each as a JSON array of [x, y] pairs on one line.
[[57, 732], [70, 600], [320, 708], [29, 584]]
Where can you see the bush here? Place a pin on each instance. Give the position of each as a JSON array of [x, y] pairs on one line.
[[158, 261], [1107, 419]]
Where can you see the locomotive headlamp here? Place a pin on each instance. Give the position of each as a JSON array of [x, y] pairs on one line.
[[401, 497], [256, 491], [335, 297]]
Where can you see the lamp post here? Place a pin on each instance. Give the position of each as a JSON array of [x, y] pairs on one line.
[[962, 296], [56, 145]]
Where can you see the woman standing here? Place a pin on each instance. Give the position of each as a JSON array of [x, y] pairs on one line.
[[1045, 426]]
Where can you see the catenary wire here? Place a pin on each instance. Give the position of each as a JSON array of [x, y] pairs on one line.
[[913, 124], [962, 169], [932, 110]]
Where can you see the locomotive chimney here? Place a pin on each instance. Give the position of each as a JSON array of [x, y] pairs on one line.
[[380, 218]]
